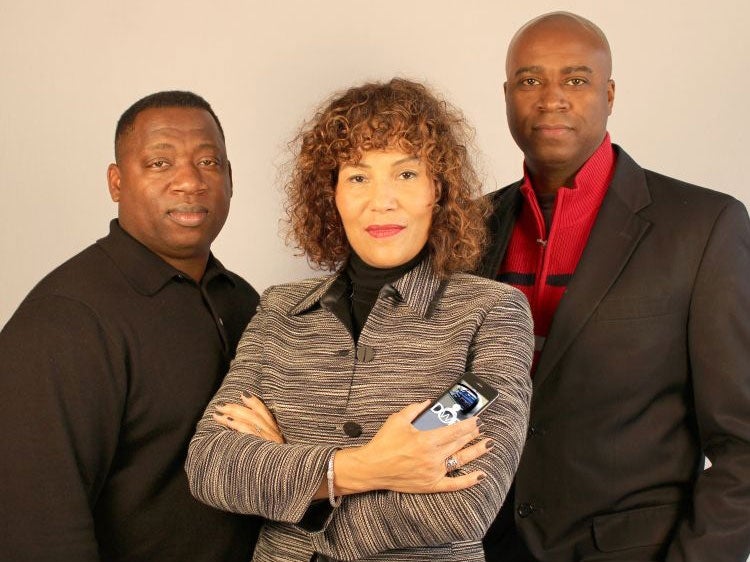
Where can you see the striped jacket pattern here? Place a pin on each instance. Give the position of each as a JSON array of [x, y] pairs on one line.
[[303, 363]]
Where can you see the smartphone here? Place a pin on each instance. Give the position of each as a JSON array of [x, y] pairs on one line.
[[465, 398]]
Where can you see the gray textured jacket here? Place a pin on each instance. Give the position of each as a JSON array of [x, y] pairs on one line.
[[300, 359]]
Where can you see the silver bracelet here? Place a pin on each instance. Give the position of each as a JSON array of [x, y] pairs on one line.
[[334, 501]]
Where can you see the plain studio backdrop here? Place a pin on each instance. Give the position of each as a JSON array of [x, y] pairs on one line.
[[69, 69]]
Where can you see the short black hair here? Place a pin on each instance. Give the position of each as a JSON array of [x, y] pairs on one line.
[[170, 98]]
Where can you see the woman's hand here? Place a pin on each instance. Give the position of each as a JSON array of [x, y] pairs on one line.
[[404, 459], [251, 417]]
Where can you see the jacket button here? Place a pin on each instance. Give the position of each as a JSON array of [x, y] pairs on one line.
[[365, 353], [352, 429], [526, 509]]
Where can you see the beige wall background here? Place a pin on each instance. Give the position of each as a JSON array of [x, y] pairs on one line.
[[69, 69]]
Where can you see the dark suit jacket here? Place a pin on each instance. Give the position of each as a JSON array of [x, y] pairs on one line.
[[646, 368]]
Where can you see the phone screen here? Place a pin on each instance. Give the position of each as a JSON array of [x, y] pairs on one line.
[[466, 397]]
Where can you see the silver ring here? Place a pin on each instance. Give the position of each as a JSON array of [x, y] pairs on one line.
[[451, 464]]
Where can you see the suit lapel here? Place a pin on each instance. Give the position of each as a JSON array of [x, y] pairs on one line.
[[615, 235], [506, 204]]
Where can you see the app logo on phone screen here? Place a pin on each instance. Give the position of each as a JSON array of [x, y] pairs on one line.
[[460, 402]]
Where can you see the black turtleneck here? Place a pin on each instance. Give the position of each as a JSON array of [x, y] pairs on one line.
[[366, 282]]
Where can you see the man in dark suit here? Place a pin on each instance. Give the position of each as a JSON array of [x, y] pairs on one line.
[[640, 289]]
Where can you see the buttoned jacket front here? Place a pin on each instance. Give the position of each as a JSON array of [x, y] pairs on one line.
[[301, 360], [644, 370]]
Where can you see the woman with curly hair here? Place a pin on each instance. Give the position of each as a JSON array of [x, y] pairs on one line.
[[312, 427]]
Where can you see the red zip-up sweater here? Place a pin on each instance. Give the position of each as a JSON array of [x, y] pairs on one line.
[[541, 263]]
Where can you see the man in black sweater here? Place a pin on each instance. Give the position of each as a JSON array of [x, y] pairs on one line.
[[108, 363]]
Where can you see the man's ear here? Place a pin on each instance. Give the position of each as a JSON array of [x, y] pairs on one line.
[[610, 94], [505, 88], [113, 182], [231, 181]]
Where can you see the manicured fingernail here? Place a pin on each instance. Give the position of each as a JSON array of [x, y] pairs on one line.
[[489, 444], [481, 477], [246, 394]]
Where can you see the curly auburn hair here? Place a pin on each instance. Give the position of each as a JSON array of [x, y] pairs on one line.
[[402, 115]]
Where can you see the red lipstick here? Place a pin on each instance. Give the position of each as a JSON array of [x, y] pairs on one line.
[[384, 230]]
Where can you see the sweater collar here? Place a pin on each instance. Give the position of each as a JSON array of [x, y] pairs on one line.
[[596, 171], [372, 279], [590, 185], [144, 270]]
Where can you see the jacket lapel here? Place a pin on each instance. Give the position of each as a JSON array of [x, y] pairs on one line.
[[506, 204], [615, 235]]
